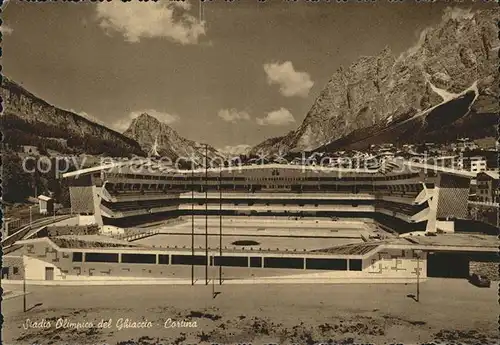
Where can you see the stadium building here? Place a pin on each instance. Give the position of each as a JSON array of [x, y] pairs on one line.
[[272, 221]]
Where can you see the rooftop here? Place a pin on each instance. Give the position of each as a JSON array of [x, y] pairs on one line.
[[493, 174], [456, 240]]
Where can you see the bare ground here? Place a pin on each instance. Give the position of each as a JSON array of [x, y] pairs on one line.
[[449, 311]]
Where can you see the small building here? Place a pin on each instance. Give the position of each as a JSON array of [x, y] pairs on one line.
[[46, 204], [9, 225], [474, 164], [444, 161], [487, 187], [31, 149], [464, 144]]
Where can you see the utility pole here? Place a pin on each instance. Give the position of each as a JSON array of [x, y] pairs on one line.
[[418, 252], [192, 223], [220, 226], [213, 288], [24, 289], [418, 278], [206, 214]]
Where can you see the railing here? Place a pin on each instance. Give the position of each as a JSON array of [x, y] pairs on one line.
[[136, 236], [484, 203], [9, 240], [258, 195]]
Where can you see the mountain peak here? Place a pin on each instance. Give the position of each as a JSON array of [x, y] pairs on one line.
[[359, 99], [146, 117], [156, 136], [37, 122]]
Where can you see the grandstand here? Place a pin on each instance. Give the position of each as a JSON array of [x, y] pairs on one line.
[[267, 220], [401, 201]]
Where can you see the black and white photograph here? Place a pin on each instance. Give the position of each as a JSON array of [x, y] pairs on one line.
[[258, 172]]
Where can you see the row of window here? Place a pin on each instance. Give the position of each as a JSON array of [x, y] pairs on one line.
[[175, 178], [227, 261], [188, 177], [153, 187]]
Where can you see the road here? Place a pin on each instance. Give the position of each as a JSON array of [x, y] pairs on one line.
[[449, 310]]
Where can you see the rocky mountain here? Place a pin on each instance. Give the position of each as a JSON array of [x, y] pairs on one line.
[[157, 138], [29, 120], [236, 150], [446, 84]]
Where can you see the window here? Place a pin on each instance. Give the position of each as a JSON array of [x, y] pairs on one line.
[[188, 260], [100, 257], [235, 261], [139, 258], [355, 265], [255, 261], [278, 262], [77, 257], [15, 270], [326, 264], [163, 259]]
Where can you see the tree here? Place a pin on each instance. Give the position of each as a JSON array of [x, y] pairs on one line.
[[16, 182]]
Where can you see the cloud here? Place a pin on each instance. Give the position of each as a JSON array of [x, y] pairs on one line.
[[449, 13], [279, 117], [6, 30], [123, 124], [457, 13], [291, 82], [235, 150], [136, 20], [88, 116], [233, 115]]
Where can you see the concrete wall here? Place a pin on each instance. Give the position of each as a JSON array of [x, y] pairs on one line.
[[82, 199], [35, 269], [388, 263], [446, 226], [86, 220], [112, 230], [453, 196], [86, 200], [395, 263], [69, 222], [11, 264], [40, 255]]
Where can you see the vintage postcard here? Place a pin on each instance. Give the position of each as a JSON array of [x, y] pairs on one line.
[[250, 172]]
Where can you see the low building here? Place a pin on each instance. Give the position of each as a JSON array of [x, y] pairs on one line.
[[444, 161], [475, 164], [46, 204], [10, 224], [464, 144], [31, 149], [487, 187]]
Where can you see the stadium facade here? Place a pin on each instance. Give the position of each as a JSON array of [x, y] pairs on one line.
[[402, 201], [406, 200]]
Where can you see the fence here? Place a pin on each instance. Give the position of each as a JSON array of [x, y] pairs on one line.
[[24, 231], [136, 235]]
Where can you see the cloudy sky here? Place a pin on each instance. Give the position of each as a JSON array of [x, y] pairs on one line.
[[224, 73]]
